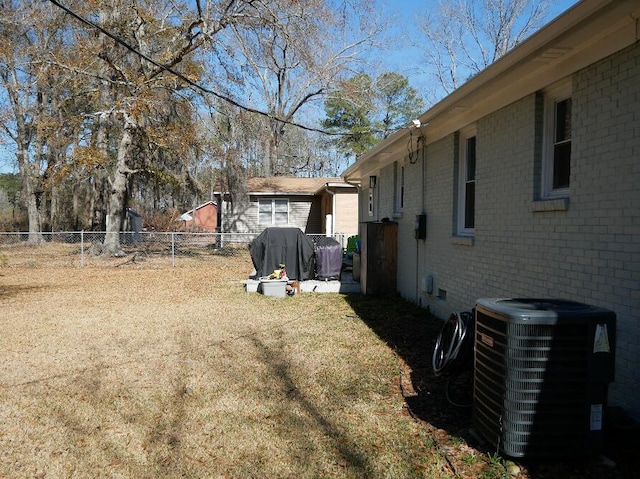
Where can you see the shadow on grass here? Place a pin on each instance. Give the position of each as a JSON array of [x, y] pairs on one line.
[[412, 332], [89, 417], [9, 290], [349, 455]]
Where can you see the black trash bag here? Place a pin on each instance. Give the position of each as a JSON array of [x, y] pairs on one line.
[[288, 246], [328, 260]]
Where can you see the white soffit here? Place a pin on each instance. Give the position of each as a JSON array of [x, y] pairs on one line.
[[588, 32]]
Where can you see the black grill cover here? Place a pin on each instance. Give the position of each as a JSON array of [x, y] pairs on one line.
[[288, 246], [328, 258]]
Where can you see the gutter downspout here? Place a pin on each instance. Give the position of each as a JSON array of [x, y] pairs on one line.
[[333, 210], [358, 188], [423, 199]]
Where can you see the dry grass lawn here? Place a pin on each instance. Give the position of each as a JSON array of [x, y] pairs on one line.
[[153, 371], [129, 367]]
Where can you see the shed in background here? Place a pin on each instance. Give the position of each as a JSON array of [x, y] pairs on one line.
[[202, 219]]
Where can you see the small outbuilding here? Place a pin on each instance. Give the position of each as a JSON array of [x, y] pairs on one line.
[[315, 205], [202, 219]]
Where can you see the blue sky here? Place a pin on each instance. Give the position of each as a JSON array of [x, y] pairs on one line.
[[406, 16], [407, 60]]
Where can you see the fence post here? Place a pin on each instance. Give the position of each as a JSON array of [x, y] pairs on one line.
[[82, 249], [173, 249]]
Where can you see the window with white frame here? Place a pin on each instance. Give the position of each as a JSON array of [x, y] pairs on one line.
[[556, 158], [373, 181], [467, 182], [273, 212]]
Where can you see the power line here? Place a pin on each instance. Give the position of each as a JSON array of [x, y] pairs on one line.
[[179, 75]]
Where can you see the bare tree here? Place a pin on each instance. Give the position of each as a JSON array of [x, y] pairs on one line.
[[465, 36], [101, 100], [147, 45], [294, 56], [39, 99]]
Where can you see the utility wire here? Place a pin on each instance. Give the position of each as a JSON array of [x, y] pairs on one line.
[[190, 82]]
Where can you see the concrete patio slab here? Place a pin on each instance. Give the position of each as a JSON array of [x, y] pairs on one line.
[[346, 285]]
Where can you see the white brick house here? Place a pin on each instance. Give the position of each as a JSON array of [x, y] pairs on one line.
[[529, 175]]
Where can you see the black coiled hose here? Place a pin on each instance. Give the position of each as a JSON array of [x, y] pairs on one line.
[[453, 356], [454, 346]]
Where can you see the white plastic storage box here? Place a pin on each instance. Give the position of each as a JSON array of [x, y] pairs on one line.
[[541, 374], [273, 287]]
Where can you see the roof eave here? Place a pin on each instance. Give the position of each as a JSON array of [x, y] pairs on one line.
[[582, 35], [280, 193]]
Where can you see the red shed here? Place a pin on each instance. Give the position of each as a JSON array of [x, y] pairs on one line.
[[203, 218]]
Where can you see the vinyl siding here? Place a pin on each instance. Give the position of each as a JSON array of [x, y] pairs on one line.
[[304, 213]]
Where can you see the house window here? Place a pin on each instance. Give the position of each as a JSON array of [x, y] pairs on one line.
[[556, 166], [373, 182], [273, 212], [467, 182], [399, 170]]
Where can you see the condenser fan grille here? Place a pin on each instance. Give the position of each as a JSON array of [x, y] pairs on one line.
[[533, 387]]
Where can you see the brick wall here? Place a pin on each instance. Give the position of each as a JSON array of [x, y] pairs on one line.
[[585, 250], [606, 227]]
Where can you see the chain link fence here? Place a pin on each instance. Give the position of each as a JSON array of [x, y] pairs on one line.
[[85, 248]]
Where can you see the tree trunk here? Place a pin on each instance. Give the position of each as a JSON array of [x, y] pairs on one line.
[[267, 159], [55, 198], [75, 221], [33, 213], [119, 188], [29, 191]]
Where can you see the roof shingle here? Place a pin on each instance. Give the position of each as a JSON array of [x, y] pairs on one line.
[[288, 185]]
